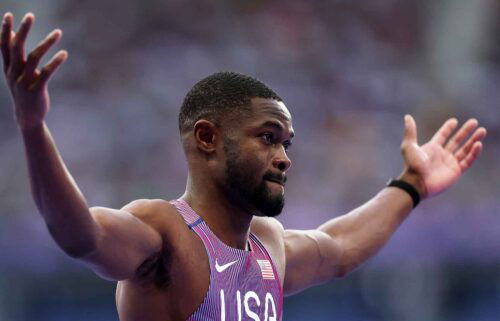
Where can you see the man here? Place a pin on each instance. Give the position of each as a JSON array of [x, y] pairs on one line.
[[217, 253]]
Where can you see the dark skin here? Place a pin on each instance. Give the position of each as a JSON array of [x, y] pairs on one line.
[[160, 265], [230, 222]]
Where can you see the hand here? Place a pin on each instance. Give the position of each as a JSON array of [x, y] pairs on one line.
[[27, 83], [438, 164]]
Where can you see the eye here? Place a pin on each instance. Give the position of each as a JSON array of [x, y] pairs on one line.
[[287, 145], [268, 138]]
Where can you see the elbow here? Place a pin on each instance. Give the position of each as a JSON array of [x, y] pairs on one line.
[[344, 265]]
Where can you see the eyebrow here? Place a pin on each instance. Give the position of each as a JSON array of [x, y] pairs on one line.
[[277, 126]]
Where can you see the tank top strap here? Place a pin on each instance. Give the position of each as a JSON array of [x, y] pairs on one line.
[[196, 224], [190, 217], [260, 250], [257, 246]]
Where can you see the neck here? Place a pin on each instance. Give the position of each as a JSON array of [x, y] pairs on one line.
[[230, 223]]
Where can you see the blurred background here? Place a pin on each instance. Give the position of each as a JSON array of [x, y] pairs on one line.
[[347, 70]]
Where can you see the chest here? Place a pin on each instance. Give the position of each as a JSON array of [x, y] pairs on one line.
[[243, 284], [204, 279], [243, 289]]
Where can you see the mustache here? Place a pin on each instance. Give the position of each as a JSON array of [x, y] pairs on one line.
[[278, 177]]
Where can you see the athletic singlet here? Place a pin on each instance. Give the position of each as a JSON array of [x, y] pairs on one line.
[[244, 285]]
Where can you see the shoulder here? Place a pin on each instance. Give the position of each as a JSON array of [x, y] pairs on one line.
[[177, 240], [268, 227], [151, 210], [159, 214], [271, 232], [144, 205]]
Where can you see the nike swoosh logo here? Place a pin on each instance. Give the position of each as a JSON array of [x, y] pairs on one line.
[[222, 268]]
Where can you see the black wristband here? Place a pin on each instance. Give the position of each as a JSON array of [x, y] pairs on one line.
[[408, 188]]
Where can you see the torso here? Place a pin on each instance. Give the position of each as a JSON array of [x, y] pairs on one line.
[[183, 282]]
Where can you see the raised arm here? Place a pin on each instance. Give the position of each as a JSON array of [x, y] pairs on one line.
[[112, 242], [342, 244]]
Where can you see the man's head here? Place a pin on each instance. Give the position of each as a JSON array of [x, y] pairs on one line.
[[220, 97], [235, 132]]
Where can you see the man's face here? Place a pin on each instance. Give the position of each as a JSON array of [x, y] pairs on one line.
[[256, 159]]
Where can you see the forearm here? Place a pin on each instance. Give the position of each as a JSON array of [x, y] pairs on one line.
[[56, 194], [363, 231]]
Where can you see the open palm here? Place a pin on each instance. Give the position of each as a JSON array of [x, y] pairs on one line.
[[441, 161], [26, 80]]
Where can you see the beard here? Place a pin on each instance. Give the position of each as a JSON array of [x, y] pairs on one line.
[[243, 187]]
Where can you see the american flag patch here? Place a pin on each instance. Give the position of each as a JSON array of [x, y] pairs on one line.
[[266, 269]]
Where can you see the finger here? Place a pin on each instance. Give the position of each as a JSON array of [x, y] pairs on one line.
[[410, 131], [478, 135], [17, 47], [5, 38], [445, 131], [461, 135], [49, 69], [471, 156], [36, 55]]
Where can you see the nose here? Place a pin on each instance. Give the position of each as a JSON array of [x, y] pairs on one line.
[[281, 161]]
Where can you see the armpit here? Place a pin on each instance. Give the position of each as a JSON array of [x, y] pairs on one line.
[[154, 270]]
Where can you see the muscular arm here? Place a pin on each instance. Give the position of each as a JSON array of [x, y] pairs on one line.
[[341, 244], [363, 231], [112, 242], [57, 196]]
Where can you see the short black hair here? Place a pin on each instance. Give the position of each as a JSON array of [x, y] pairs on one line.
[[219, 95]]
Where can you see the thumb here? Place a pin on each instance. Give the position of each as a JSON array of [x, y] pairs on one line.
[[410, 131]]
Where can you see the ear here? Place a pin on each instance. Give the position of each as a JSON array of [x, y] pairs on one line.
[[206, 135]]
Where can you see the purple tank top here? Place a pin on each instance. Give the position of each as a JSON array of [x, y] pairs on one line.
[[244, 285]]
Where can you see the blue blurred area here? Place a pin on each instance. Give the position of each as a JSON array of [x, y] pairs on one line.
[[348, 71]]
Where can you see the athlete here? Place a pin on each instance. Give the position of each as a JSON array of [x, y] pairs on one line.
[[216, 253]]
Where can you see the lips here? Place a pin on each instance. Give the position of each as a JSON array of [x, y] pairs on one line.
[[278, 181], [278, 178]]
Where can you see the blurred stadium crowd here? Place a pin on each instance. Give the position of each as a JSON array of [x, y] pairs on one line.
[[347, 70]]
